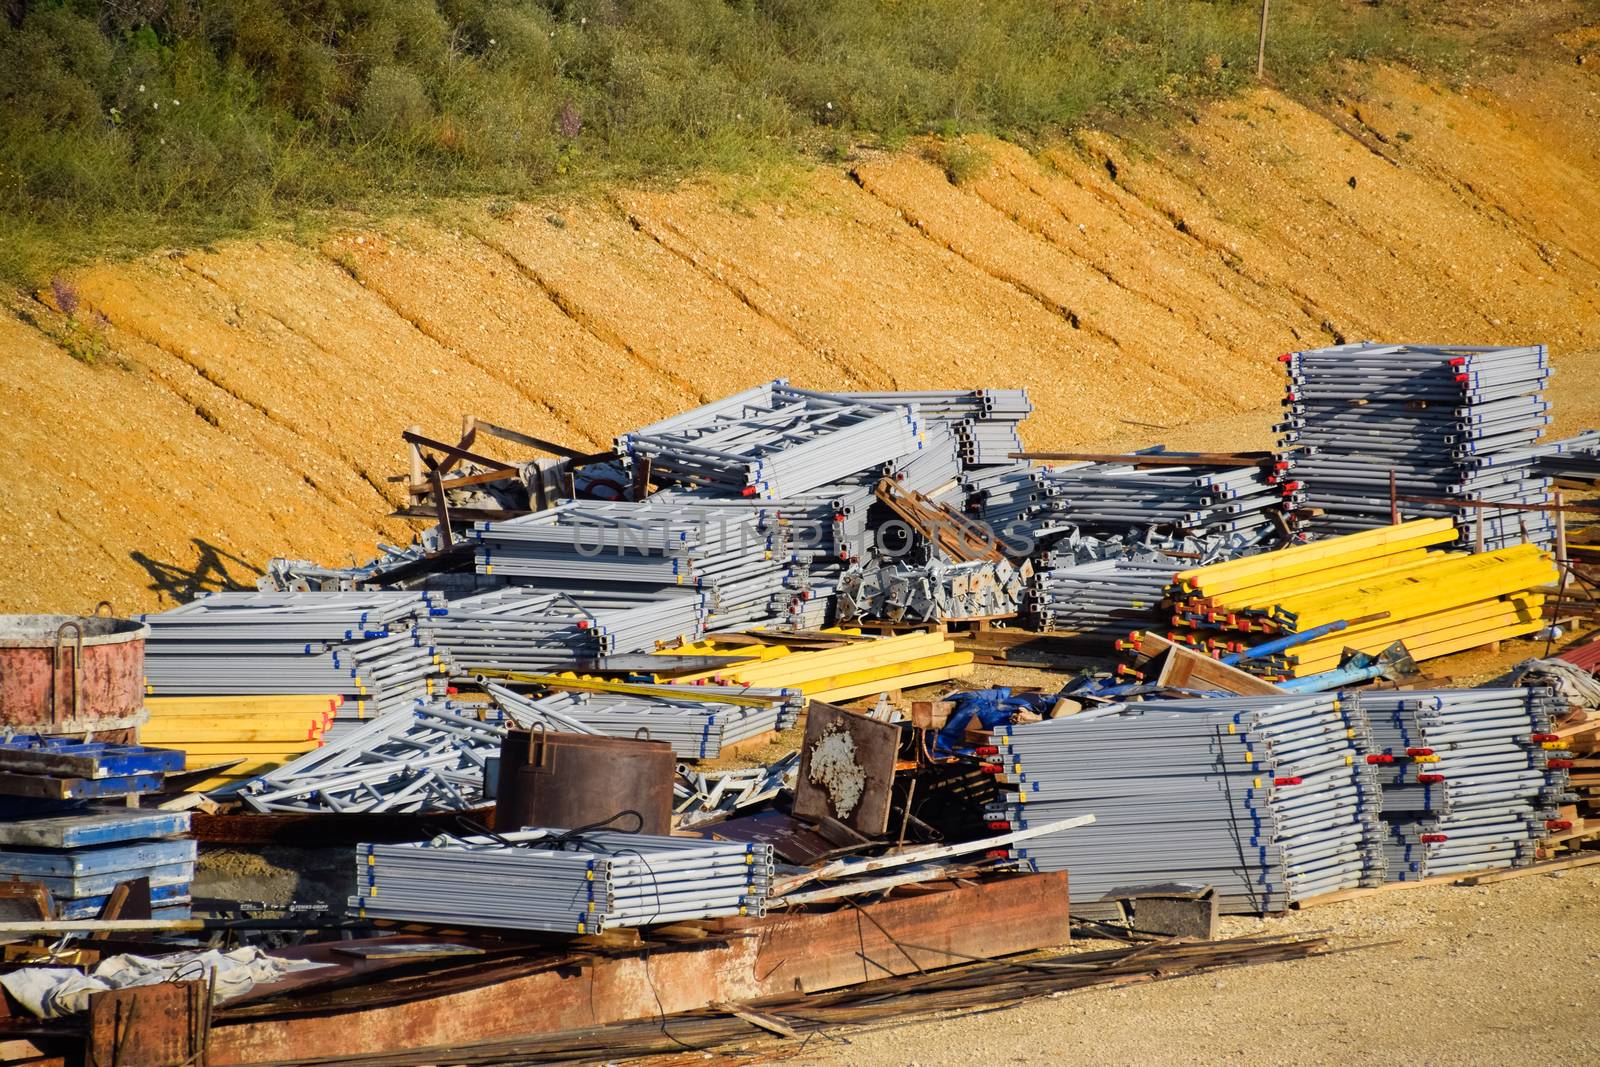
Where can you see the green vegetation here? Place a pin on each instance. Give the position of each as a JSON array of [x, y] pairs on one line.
[[129, 124]]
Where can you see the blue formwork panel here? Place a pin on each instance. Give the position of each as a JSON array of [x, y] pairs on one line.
[[95, 826], [99, 885], [83, 862], [161, 899]]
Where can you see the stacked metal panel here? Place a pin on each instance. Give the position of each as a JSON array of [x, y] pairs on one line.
[[697, 725], [1449, 422], [1268, 799], [738, 561], [1112, 586], [430, 759], [1109, 598], [1471, 778], [375, 649], [983, 421], [553, 881], [1111, 497], [535, 629], [83, 856], [1011, 500], [773, 441], [1576, 458]]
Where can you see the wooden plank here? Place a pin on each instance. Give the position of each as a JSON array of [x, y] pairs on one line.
[[1566, 863], [1185, 668]]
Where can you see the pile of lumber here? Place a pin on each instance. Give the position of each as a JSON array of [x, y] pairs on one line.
[[850, 669], [243, 736], [1396, 583]]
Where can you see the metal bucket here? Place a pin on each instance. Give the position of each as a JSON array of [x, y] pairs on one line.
[[568, 780], [62, 674]]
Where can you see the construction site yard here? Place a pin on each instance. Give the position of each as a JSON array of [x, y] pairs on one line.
[[268, 409]]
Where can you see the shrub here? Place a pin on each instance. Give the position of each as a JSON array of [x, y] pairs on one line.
[[144, 122]]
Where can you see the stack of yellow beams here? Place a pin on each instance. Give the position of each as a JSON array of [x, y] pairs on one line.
[[861, 668], [262, 731], [1435, 601]]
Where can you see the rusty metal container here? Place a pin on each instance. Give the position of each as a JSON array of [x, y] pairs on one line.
[[62, 674], [568, 780]]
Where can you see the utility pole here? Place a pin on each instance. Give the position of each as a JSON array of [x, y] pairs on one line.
[[1261, 42]]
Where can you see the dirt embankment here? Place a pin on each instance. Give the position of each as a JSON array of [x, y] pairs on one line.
[[208, 409]]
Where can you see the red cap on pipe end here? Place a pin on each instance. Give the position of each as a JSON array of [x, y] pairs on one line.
[[1430, 779]]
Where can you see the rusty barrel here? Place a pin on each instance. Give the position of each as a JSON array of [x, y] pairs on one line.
[[568, 780], [71, 674]]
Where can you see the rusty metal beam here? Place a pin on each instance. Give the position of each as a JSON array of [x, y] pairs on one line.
[[759, 957]]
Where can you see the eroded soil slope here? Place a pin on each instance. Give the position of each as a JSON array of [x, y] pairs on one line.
[[205, 410]]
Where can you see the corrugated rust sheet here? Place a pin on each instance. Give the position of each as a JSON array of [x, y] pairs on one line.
[[778, 954], [1586, 656]]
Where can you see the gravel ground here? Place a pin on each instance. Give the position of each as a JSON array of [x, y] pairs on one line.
[[1498, 974]]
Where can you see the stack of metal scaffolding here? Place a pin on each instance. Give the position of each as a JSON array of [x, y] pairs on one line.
[[701, 797], [1111, 586], [1268, 799], [1472, 778], [696, 724], [736, 559], [983, 421], [1113, 497], [428, 759], [1576, 458], [935, 591], [772, 441], [523, 629], [561, 882], [376, 649], [1109, 598], [1445, 422], [1005, 497]]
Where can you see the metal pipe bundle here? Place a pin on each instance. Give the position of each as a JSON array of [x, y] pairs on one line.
[[1471, 778], [430, 759], [773, 440], [558, 882], [1447, 422], [1268, 799]]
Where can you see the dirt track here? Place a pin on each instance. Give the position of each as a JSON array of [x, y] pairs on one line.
[[1499, 974], [246, 401]]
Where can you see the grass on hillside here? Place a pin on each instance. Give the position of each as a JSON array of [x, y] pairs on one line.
[[135, 124]]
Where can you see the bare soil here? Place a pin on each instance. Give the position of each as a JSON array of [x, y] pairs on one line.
[[207, 409], [1439, 975]]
